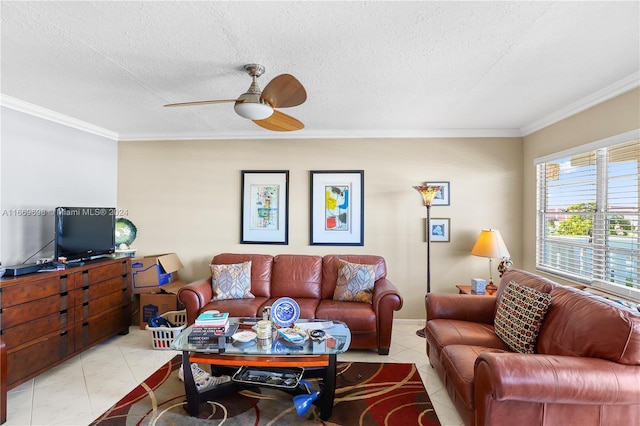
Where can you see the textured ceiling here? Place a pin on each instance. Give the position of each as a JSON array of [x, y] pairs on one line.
[[371, 69]]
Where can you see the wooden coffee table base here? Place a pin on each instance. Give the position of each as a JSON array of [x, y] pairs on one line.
[[322, 366]]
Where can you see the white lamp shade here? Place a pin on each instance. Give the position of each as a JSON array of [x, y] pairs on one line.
[[253, 110], [490, 244]]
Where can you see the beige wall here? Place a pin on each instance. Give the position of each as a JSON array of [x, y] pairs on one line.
[[616, 116], [184, 197]]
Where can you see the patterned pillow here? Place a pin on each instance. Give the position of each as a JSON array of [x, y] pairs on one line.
[[519, 316], [231, 281], [355, 282]]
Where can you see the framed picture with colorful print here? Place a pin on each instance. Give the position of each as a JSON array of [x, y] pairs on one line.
[[337, 207], [265, 207]]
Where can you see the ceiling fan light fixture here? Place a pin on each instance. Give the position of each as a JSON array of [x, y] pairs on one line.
[[253, 110]]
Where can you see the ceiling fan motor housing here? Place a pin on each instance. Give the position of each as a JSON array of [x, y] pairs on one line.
[[250, 104]]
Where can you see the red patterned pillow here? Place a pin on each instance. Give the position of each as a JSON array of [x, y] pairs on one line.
[[519, 316]]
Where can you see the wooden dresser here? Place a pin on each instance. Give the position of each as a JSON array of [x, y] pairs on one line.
[[48, 317]]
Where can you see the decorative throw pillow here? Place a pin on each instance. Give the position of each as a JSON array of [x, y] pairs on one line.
[[519, 316], [231, 281], [355, 282]]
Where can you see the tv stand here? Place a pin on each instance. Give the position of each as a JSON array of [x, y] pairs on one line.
[[50, 317]]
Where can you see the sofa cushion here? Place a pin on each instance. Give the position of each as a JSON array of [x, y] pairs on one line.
[[444, 332], [231, 281], [519, 316], [586, 325], [360, 317], [355, 282], [296, 275], [238, 307], [458, 362]]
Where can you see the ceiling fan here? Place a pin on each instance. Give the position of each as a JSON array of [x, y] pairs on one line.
[[284, 91]]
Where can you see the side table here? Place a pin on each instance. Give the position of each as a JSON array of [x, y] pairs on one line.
[[466, 289]]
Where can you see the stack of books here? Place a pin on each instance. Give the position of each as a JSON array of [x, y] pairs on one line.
[[208, 327]]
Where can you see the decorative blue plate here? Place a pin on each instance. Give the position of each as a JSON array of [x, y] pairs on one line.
[[285, 311]]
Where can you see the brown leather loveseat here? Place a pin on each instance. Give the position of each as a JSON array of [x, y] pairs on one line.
[[310, 281], [584, 369]]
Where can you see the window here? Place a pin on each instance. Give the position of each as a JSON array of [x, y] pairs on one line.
[[588, 217]]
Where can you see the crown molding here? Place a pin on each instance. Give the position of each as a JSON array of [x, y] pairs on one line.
[[629, 83], [47, 114], [327, 134]]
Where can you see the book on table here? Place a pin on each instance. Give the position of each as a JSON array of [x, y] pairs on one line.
[[212, 319], [211, 329], [202, 336]]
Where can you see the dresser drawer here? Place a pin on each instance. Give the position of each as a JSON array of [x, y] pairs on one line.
[[33, 330], [99, 306], [24, 292], [28, 361], [26, 312], [101, 273], [107, 324]]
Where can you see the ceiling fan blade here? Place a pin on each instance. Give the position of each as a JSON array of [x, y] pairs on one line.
[[284, 91], [280, 122], [217, 101]]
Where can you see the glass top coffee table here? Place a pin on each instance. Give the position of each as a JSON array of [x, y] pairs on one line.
[[317, 355]]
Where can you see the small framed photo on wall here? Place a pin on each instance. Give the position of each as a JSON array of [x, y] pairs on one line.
[[439, 230], [442, 198]]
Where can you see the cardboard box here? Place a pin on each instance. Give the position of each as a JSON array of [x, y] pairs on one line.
[[156, 304], [151, 273]]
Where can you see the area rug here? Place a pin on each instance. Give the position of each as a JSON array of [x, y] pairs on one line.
[[366, 394]]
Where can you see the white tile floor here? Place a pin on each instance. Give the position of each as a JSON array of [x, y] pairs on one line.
[[81, 389]]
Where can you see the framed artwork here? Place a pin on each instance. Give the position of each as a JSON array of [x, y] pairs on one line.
[[440, 230], [442, 197], [265, 207], [337, 207]]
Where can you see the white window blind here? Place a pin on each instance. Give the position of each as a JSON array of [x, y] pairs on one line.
[[588, 215]]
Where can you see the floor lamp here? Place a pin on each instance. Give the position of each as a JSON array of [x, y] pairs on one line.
[[428, 194]]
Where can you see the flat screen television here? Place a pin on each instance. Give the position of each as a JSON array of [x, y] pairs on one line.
[[84, 233]]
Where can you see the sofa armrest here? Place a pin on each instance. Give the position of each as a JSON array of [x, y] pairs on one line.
[[554, 379], [460, 307], [386, 296], [386, 300], [195, 296]]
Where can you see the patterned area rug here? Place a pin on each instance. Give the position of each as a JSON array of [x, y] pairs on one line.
[[366, 394]]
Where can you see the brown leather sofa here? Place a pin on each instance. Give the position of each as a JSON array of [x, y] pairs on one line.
[[310, 281], [585, 369]]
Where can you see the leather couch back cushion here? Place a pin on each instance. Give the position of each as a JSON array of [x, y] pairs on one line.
[[331, 262], [524, 278], [261, 265], [581, 324], [296, 275]]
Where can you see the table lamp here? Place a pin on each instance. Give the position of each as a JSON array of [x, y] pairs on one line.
[[490, 244]]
